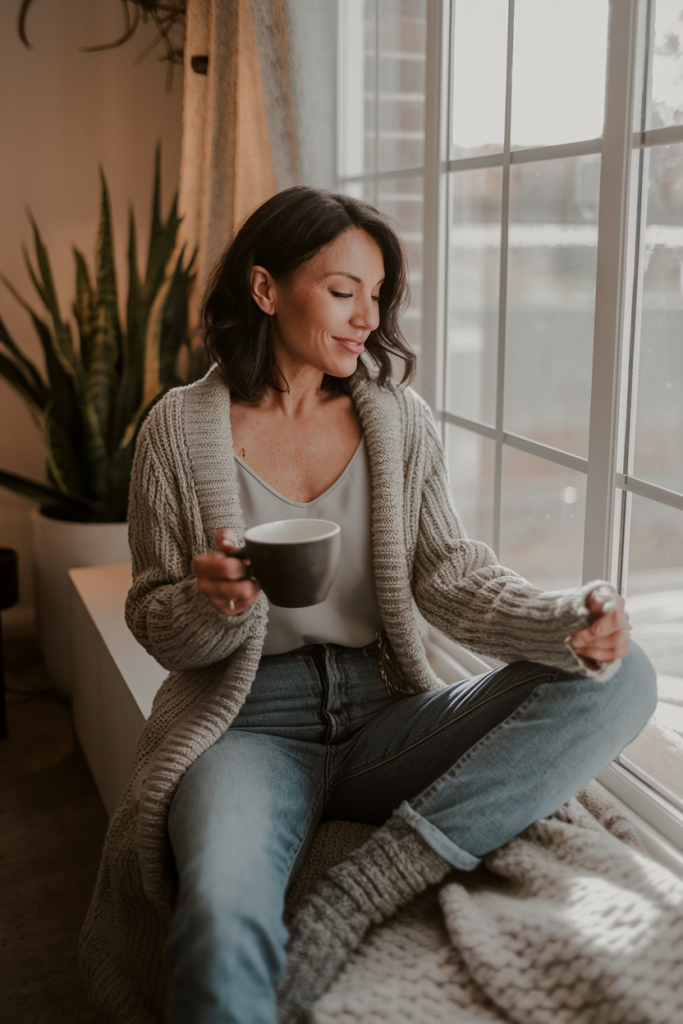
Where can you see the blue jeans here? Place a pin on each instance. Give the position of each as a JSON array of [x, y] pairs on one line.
[[468, 767]]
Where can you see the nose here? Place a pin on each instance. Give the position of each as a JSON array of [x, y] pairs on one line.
[[366, 313]]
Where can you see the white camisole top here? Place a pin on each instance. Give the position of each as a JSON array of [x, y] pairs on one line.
[[350, 615]]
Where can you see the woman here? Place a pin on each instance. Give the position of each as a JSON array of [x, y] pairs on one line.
[[272, 717]]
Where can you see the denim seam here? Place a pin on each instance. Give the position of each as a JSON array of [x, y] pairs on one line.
[[455, 768], [321, 793], [435, 732]]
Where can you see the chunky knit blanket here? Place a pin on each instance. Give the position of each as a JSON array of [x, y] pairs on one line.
[[569, 922]]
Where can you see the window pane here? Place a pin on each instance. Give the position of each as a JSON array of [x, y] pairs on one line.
[[370, 84], [402, 199], [558, 71], [403, 31], [479, 72], [471, 461], [655, 603], [357, 92], [667, 65], [542, 514], [551, 300], [473, 290], [658, 452]]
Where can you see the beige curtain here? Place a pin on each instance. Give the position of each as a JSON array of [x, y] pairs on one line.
[[258, 114]]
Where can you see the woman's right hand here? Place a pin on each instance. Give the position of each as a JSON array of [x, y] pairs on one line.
[[222, 578]]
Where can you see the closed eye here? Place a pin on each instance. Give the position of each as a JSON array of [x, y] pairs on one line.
[[343, 295]]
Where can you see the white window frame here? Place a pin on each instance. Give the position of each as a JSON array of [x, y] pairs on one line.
[[608, 468]]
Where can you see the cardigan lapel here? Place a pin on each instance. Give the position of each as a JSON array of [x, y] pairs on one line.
[[209, 442], [380, 416]]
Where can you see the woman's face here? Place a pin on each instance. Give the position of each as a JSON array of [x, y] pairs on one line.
[[322, 317]]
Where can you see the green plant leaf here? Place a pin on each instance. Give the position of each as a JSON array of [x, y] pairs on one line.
[[104, 367], [130, 388], [47, 292], [84, 310], [152, 384], [174, 328], [16, 378], [28, 488], [162, 237], [103, 378], [104, 258], [60, 374], [66, 471], [28, 368]]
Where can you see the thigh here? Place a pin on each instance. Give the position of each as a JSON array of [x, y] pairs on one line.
[[242, 813], [416, 739]]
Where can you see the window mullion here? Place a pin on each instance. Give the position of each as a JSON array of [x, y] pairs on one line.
[[631, 367], [503, 290], [435, 204], [611, 289]]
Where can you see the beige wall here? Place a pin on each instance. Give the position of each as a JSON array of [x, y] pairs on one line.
[[62, 114]]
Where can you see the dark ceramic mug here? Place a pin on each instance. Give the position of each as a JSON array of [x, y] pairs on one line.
[[294, 560]]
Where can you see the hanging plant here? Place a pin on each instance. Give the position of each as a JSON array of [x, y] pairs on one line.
[[167, 15]]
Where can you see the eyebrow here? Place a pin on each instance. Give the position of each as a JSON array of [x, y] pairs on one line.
[[344, 273]]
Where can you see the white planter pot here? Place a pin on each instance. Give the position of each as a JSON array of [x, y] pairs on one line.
[[59, 546]]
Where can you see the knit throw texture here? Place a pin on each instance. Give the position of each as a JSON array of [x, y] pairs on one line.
[[565, 924]]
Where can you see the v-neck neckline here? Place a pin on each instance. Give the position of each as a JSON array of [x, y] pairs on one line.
[[302, 504]]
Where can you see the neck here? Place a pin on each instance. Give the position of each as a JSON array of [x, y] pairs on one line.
[[298, 388]]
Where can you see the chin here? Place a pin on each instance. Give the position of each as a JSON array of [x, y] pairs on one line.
[[343, 367]]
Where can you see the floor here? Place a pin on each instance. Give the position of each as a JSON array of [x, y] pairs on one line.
[[52, 824]]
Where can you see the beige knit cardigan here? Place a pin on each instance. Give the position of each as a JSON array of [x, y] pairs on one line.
[[183, 490]]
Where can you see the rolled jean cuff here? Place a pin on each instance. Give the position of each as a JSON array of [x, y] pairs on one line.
[[437, 839]]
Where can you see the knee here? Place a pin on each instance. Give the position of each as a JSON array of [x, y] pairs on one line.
[[218, 909], [635, 684]]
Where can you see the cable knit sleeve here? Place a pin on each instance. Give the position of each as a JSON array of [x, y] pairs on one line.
[[164, 610], [463, 591]]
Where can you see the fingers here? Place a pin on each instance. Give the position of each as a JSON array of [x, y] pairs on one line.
[[230, 598], [603, 600], [223, 581], [225, 539], [606, 626], [216, 566], [606, 639], [611, 648]]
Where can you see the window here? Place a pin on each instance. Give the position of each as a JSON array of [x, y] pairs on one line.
[[382, 121], [542, 144]]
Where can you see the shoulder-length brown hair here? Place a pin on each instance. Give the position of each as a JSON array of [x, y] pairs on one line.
[[281, 235]]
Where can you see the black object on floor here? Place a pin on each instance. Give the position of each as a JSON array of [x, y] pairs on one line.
[[9, 595]]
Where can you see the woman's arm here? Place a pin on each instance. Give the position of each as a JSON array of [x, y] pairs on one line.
[[463, 591], [179, 626]]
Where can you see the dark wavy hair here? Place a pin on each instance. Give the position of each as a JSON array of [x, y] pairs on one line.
[[281, 235]]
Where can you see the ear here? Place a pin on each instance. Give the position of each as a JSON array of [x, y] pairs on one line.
[[263, 289]]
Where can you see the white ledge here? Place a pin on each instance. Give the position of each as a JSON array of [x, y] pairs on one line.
[[115, 679]]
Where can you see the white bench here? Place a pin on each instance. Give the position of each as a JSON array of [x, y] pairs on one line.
[[115, 678]]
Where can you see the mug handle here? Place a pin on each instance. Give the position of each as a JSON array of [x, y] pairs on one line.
[[241, 553]]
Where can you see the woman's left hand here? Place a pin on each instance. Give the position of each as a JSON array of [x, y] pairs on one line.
[[606, 639]]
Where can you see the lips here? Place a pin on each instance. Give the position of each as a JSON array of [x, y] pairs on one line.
[[351, 344]]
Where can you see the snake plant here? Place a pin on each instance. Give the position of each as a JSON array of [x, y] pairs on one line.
[[93, 397]]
